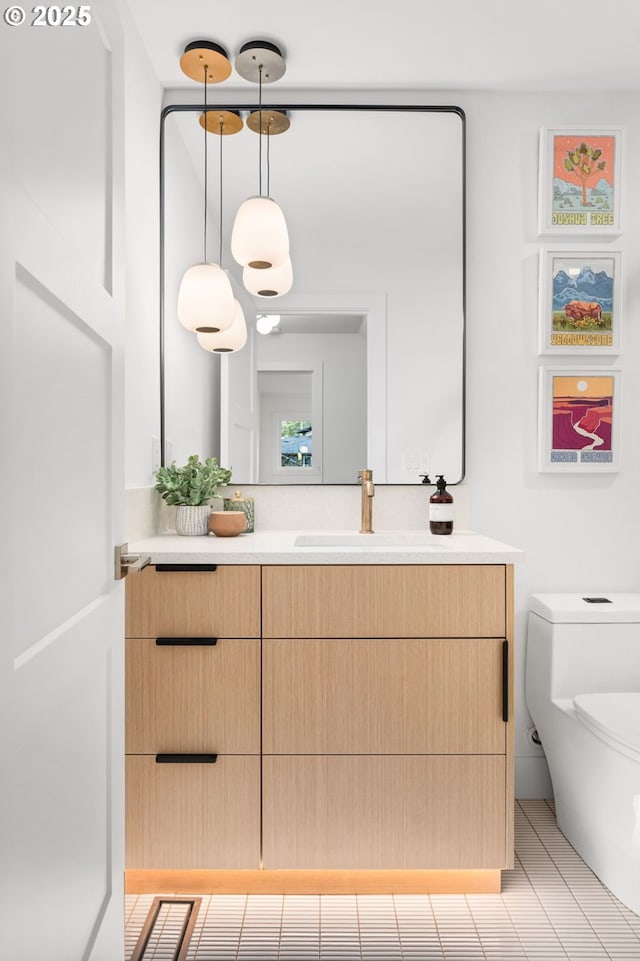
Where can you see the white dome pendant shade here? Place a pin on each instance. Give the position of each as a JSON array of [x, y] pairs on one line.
[[205, 299], [272, 282], [260, 238], [227, 341]]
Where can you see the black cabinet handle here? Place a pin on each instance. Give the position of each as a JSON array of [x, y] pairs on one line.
[[196, 568], [186, 758], [186, 641], [505, 681]]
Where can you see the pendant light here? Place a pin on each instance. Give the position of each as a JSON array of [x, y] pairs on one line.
[[234, 337], [229, 340], [274, 281], [267, 323], [260, 239], [269, 283], [205, 298]]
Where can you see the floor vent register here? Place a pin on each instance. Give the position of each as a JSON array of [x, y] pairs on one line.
[[167, 930]]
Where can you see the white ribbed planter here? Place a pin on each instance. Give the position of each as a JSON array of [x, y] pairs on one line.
[[192, 519]]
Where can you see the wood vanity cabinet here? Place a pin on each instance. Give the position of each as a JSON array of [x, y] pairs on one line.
[[360, 713], [193, 719], [384, 696]]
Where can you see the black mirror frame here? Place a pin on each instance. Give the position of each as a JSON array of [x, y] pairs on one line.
[[405, 108]]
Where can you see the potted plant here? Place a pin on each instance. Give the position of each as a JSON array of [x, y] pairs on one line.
[[190, 488]]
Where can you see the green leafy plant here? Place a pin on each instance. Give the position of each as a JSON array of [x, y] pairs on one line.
[[194, 483]]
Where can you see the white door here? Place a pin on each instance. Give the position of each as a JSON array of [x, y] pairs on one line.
[[61, 451]]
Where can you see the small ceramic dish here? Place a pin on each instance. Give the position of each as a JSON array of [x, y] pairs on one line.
[[227, 523]]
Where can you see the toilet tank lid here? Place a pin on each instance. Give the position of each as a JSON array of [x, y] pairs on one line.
[[576, 609]]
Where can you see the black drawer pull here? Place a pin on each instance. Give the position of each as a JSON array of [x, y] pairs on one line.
[[186, 641], [165, 568], [186, 758], [505, 681]]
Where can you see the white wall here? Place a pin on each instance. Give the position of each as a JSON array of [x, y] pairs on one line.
[[578, 532], [143, 101]]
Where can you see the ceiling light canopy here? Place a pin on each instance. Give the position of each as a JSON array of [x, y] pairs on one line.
[[270, 122], [223, 122], [205, 53], [260, 61]]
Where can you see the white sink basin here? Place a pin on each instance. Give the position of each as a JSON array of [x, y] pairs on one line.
[[378, 539]]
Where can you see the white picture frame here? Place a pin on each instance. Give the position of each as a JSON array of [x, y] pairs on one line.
[[579, 181], [579, 419], [580, 301]]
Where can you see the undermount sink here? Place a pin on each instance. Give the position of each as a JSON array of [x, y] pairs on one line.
[[377, 539]]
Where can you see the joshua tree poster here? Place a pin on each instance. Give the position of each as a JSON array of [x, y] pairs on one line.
[[579, 181], [579, 413]]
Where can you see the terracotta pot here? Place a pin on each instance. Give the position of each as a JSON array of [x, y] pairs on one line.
[[227, 523]]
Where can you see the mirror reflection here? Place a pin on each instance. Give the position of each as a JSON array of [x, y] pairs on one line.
[[364, 366]]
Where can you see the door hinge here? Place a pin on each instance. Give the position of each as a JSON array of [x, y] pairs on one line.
[[125, 562]]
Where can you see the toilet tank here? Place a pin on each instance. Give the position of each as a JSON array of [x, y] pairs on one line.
[[581, 644]]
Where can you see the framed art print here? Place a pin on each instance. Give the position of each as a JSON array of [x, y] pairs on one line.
[[580, 302], [578, 419], [579, 181]]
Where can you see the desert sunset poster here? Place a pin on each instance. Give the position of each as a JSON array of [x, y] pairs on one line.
[[582, 418]]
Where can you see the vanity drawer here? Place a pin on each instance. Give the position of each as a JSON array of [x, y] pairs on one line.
[[220, 603], [188, 816], [384, 601], [383, 696], [384, 812], [192, 697]]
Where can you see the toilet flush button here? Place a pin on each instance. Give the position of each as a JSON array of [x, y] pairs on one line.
[[597, 600]]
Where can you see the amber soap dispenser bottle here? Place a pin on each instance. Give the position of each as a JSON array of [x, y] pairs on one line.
[[441, 509]]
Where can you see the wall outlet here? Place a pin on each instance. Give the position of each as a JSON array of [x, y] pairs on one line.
[[416, 461]]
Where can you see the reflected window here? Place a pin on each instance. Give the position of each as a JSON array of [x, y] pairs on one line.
[[295, 443]]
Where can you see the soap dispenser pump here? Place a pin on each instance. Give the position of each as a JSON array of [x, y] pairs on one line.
[[441, 509]]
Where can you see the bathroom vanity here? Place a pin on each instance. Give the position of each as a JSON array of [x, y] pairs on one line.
[[319, 718]]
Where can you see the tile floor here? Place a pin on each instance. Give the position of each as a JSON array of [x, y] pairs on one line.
[[552, 908]]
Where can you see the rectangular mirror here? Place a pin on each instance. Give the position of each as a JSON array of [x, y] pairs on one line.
[[365, 364]]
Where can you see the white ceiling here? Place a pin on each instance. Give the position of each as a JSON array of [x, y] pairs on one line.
[[410, 44]]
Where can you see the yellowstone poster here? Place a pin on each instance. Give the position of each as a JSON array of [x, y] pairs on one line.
[[583, 412], [580, 309]]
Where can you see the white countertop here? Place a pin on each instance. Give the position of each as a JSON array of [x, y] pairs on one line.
[[278, 547]]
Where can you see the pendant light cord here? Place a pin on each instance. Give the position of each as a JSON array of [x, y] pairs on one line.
[[260, 129], [205, 165], [268, 146], [220, 204]]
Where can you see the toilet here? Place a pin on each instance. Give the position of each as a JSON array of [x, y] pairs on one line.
[[583, 692]]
